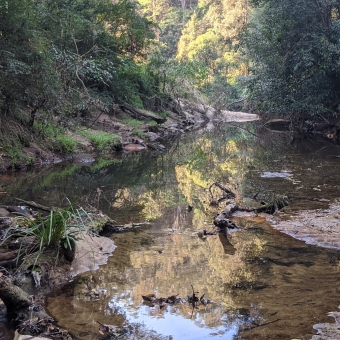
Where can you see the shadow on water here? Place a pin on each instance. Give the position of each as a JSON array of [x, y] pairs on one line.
[[264, 284]]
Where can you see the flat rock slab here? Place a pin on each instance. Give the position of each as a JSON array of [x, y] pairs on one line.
[[92, 251], [29, 337], [328, 331], [318, 227]]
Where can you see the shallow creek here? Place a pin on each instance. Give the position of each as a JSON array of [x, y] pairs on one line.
[[263, 284]]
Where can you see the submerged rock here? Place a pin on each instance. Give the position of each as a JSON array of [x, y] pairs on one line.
[[83, 159], [319, 227], [92, 251]]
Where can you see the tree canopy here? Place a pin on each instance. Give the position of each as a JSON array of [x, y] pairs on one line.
[[65, 55], [293, 51], [65, 58]]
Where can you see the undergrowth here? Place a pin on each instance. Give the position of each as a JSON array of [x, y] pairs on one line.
[[101, 140], [60, 229]]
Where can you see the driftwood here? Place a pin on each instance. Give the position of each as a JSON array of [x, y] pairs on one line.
[[222, 220], [12, 209], [35, 205], [109, 229], [139, 113], [20, 210], [228, 194]]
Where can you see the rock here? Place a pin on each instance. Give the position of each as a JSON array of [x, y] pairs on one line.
[[18, 336], [83, 159], [152, 136], [4, 212], [92, 251], [156, 146], [133, 147]]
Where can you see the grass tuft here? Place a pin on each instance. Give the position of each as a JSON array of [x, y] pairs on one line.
[[101, 140]]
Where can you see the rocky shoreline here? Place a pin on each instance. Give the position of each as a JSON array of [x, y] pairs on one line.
[[40, 152]]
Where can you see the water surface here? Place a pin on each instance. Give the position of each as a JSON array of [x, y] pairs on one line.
[[263, 284]]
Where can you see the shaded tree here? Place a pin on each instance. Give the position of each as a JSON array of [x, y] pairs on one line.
[[293, 47]]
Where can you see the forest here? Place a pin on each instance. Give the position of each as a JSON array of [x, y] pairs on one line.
[[61, 60]]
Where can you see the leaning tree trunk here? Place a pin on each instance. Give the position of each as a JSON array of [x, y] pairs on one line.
[[141, 114]]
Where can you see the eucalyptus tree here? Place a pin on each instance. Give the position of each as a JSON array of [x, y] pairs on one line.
[[294, 49]]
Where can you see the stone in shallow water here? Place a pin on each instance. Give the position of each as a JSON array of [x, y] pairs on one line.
[[328, 331], [92, 251], [83, 159]]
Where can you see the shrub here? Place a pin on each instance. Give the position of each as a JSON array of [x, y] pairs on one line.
[[101, 140], [65, 144]]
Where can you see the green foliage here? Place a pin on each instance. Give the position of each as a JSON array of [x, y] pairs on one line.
[[101, 140], [139, 133], [70, 57], [132, 122], [151, 123], [29, 160], [170, 17], [212, 32], [13, 150], [60, 229], [46, 129], [221, 93], [294, 51], [65, 144], [53, 230]]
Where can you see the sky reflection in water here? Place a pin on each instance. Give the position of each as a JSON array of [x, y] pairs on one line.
[[174, 324]]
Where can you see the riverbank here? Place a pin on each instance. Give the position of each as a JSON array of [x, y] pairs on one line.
[[84, 139], [38, 255], [130, 185]]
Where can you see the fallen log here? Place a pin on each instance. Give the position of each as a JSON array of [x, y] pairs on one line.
[[229, 193], [109, 229], [139, 113], [12, 209], [35, 205], [222, 220], [10, 255]]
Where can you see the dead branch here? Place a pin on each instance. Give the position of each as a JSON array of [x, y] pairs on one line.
[[222, 220], [36, 205]]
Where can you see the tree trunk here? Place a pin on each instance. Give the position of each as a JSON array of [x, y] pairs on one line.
[[138, 113]]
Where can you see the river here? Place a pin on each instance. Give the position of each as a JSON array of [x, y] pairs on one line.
[[261, 283]]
